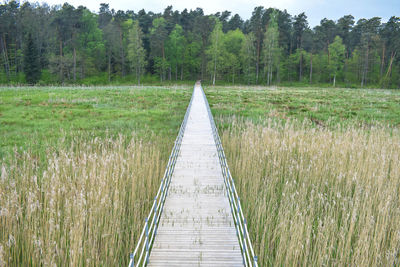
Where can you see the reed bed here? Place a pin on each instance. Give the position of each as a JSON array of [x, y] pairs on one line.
[[318, 196], [86, 207]]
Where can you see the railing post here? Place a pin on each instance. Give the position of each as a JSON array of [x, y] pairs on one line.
[[132, 260], [237, 218], [147, 239], [242, 234], [244, 240], [244, 229], [155, 214]]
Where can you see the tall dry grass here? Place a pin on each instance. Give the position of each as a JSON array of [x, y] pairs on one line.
[[86, 207], [318, 197]]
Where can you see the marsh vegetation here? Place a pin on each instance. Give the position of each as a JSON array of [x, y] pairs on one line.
[[317, 171]]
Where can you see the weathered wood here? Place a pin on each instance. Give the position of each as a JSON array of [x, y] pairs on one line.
[[196, 227]]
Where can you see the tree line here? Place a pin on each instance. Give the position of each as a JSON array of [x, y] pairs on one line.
[[64, 44]]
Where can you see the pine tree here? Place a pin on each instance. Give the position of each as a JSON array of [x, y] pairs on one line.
[[31, 62]]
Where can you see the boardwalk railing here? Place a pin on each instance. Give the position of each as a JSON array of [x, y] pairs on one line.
[[249, 258], [140, 256]]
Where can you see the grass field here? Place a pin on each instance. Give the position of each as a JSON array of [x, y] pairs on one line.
[[323, 106], [316, 170], [32, 117]]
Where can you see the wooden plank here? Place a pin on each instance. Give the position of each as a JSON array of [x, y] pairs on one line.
[[196, 226]]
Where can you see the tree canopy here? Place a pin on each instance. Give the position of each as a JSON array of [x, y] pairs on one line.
[[67, 44]]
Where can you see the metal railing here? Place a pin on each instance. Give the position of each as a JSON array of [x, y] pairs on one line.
[[249, 258], [140, 256]]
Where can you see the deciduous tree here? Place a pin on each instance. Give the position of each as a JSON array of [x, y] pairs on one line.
[[337, 56], [215, 49], [136, 52]]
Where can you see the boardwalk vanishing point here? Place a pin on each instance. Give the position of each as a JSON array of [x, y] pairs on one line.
[[196, 218]]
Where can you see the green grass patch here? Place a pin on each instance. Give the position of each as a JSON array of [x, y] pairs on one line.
[[31, 117], [323, 106]]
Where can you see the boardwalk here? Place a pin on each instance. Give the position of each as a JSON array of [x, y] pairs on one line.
[[196, 227]]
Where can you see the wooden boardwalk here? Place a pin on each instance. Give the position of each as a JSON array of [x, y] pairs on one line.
[[196, 227]]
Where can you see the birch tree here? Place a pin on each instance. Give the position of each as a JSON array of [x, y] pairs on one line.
[[337, 56], [271, 48], [215, 49], [248, 58], [136, 52]]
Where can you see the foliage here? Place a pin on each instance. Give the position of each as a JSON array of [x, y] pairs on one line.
[[175, 50], [336, 54], [271, 49], [31, 62], [75, 44], [215, 50], [136, 52]]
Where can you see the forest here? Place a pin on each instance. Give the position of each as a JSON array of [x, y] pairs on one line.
[[42, 44]]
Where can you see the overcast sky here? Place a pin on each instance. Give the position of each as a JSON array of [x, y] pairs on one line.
[[314, 9]]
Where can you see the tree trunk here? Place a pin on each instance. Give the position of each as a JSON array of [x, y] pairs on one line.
[[329, 54], [163, 62], [301, 66], [215, 70], [382, 60], [271, 75], [74, 69], [278, 77], [122, 52], [393, 55], [109, 65], [5, 56], [258, 60], [176, 72], [365, 69], [311, 68], [181, 73], [334, 80], [61, 62], [203, 55], [138, 75], [16, 58], [82, 67]]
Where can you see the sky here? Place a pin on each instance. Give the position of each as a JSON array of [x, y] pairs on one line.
[[315, 10]]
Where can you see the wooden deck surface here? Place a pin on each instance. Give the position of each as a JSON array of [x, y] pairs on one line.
[[196, 227]]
